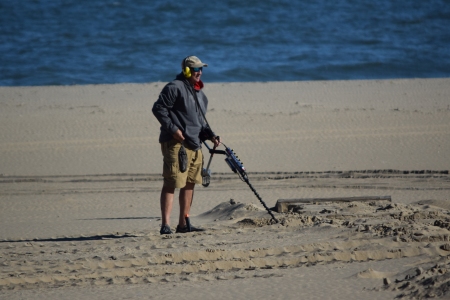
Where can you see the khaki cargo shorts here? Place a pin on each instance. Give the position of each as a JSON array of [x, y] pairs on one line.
[[173, 178]]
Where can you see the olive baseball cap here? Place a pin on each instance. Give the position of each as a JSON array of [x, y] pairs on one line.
[[193, 62]]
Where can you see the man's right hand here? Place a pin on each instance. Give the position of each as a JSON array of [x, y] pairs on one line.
[[178, 136]]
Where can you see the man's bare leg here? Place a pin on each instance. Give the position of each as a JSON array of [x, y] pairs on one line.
[[185, 199], [166, 201]]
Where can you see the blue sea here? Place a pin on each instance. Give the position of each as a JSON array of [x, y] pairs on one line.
[[68, 42]]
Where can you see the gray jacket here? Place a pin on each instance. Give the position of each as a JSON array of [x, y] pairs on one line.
[[176, 108]]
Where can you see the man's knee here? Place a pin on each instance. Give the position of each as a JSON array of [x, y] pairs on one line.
[[167, 190], [189, 186]]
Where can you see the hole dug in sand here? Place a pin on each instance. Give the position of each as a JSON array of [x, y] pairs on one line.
[[256, 222]]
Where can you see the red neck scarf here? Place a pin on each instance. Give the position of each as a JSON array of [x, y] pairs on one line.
[[198, 85]]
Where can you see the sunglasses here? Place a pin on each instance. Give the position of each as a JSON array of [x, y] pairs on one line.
[[197, 69]]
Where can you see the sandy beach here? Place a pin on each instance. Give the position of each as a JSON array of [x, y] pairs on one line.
[[80, 177]]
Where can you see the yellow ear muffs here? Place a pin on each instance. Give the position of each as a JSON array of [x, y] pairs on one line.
[[187, 72]]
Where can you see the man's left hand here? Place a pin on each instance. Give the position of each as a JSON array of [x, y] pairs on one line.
[[216, 141]]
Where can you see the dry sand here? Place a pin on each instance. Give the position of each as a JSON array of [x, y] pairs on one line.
[[80, 180]]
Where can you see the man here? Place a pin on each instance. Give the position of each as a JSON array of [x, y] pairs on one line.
[[180, 110]]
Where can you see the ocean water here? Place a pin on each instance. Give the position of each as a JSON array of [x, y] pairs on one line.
[[66, 42]]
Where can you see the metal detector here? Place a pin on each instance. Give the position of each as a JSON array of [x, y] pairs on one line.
[[236, 166]]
